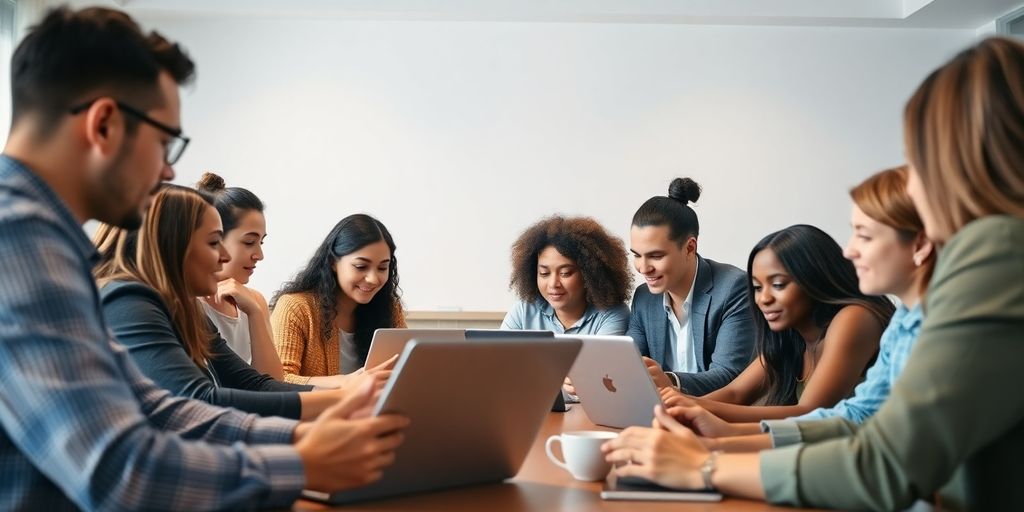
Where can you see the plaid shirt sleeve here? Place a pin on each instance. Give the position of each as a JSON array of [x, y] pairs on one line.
[[78, 416]]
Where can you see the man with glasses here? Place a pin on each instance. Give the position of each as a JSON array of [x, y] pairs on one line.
[[175, 146], [95, 130]]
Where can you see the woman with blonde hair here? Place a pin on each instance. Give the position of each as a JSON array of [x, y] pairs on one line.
[[952, 430]]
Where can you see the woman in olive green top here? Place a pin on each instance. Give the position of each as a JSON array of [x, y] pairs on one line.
[[953, 428]]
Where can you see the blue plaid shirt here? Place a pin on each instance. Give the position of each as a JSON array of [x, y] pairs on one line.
[[81, 426], [894, 350]]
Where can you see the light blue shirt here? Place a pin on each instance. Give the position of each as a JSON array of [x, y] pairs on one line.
[[893, 353], [539, 315]]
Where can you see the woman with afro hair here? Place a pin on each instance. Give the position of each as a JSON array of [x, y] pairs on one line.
[[571, 277]]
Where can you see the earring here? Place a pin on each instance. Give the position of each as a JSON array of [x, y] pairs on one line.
[[918, 261]]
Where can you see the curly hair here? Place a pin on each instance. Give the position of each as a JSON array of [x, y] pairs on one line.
[[600, 257], [318, 278]]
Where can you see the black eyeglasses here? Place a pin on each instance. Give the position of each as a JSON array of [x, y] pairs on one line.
[[172, 150]]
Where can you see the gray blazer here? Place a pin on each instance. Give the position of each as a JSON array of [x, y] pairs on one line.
[[723, 331], [140, 320]]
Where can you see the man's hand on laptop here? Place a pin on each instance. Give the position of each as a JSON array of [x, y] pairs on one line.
[[339, 452], [661, 380]]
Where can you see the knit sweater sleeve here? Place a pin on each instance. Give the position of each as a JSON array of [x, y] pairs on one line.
[[291, 323]]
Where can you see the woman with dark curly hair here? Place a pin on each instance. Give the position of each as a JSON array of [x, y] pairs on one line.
[[324, 318], [571, 277]]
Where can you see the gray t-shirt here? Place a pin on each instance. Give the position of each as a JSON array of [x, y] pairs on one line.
[[349, 354]]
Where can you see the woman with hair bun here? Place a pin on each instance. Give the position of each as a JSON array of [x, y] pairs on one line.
[[239, 312], [689, 320]]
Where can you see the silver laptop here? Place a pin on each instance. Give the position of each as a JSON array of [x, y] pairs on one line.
[[390, 342], [612, 382], [463, 432]]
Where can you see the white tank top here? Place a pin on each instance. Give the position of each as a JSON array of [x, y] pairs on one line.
[[234, 330]]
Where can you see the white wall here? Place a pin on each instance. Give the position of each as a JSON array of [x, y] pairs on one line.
[[457, 135], [7, 41]]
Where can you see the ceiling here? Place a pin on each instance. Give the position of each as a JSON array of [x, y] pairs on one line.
[[962, 14]]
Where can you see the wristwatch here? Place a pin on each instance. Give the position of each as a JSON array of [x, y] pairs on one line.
[[675, 380], [708, 467]]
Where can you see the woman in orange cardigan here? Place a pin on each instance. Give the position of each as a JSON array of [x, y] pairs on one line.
[[324, 319]]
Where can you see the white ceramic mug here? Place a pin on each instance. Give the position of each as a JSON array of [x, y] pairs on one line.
[[582, 453]]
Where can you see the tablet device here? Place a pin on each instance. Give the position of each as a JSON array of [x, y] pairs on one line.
[[561, 400], [390, 342], [475, 410]]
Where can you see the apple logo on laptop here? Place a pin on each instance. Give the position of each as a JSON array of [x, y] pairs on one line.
[[608, 384]]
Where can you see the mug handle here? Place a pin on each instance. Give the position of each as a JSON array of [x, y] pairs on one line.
[[551, 455]]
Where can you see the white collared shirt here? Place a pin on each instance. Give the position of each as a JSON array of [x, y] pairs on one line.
[[684, 357]]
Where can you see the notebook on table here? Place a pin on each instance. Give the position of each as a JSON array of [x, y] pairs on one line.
[[638, 489]]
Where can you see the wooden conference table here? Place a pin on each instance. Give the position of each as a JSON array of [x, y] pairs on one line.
[[540, 485]]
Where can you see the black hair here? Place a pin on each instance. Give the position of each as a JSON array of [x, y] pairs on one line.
[[672, 211], [318, 278], [72, 54], [815, 262], [231, 202]]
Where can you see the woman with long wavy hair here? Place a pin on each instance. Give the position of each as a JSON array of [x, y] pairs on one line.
[[816, 332], [324, 318]]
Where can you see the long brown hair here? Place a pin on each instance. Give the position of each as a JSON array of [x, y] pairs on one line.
[[117, 248], [318, 279], [963, 130], [884, 198], [159, 258]]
